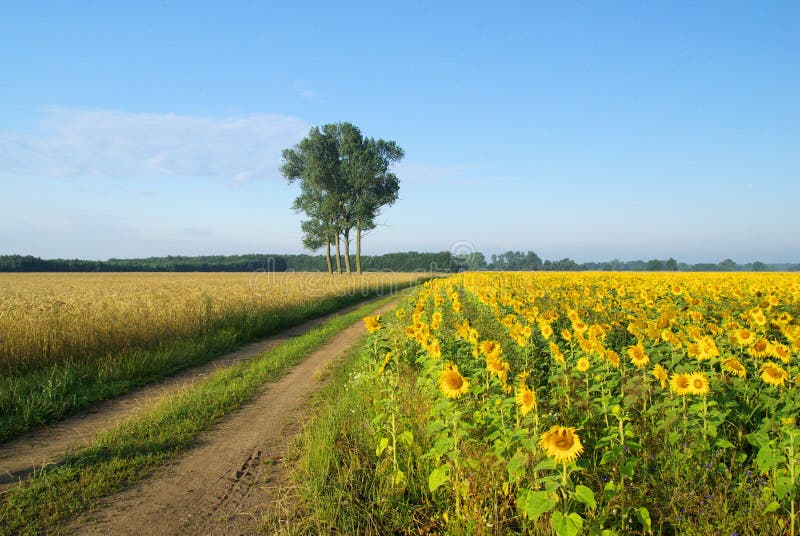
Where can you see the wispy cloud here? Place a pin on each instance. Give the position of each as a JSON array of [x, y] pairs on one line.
[[76, 143]]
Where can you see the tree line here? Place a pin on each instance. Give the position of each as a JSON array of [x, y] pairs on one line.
[[530, 261], [345, 179], [411, 261]]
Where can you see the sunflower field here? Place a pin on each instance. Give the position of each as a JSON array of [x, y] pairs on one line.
[[563, 403]]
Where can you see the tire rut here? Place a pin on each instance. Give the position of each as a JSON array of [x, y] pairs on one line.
[[236, 474]]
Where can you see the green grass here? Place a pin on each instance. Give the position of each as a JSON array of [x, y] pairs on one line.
[[139, 446], [339, 485], [47, 394]]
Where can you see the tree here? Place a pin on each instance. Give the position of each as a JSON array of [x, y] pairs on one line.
[[655, 265], [345, 180], [759, 266], [315, 163], [365, 165], [671, 265], [727, 265]]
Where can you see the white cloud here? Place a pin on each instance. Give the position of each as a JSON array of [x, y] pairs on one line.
[[76, 143]]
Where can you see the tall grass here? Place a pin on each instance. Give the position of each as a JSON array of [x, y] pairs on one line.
[[137, 447], [156, 325]]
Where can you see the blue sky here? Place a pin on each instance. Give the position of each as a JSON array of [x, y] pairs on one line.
[[591, 130]]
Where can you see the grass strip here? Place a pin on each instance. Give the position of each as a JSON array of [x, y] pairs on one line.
[[136, 448], [48, 394]]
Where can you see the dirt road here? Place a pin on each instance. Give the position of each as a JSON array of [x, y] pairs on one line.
[[233, 477], [22, 456]]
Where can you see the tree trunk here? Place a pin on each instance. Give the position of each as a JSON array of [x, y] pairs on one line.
[[338, 255], [358, 248], [347, 250], [328, 256]]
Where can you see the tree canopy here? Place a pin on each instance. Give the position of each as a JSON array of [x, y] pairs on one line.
[[345, 179]]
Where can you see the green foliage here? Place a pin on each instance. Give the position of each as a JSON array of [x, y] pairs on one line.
[[135, 448]]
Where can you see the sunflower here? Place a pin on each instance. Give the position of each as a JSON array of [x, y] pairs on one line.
[[566, 335], [372, 323], [561, 443], [660, 374], [760, 348], [546, 329], [491, 349], [637, 355], [583, 364], [781, 351], [400, 313], [526, 399], [698, 384], [498, 367], [758, 317], [452, 383], [680, 384], [773, 374], [386, 360], [613, 358], [557, 354], [744, 337], [734, 366], [435, 349]]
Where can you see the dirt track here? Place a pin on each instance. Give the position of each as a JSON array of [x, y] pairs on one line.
[[22, 456], [233, 477]]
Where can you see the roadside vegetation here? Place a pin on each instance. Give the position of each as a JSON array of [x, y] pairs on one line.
[[70, 340], [141, 445]]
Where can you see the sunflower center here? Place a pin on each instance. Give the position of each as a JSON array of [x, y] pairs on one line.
[[565, 442], [454, 380]]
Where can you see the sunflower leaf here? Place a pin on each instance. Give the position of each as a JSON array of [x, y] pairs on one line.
[[382, 444], [766, 459], [570, 525], [438, 476], [771, 507], [724, 444], [535, 503], [585, 495], [644, 517]]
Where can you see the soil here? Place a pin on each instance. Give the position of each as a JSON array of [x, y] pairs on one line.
[[236, 475], [48, 445]]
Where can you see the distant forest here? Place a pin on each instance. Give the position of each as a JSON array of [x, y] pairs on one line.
[[411, 261]]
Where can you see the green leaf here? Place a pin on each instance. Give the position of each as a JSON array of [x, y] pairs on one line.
[[628, 468], [608, 532], [771, 507], [434, 427], [516, 466], [724, 444], [382, 444], [407, 437], [535, 503], [644, 518], [438, 476], [547, 463], [585, 495], [610, 490], [783, 485], [766, 459], [570, 525]]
